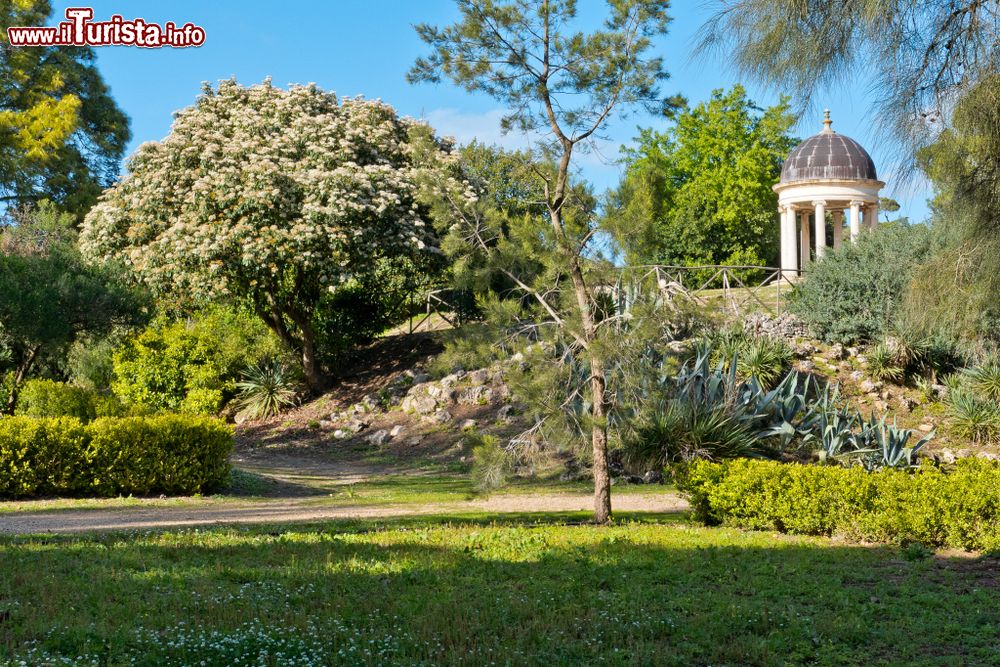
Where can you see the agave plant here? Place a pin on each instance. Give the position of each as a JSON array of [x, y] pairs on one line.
[[266, 389], [890, 450]]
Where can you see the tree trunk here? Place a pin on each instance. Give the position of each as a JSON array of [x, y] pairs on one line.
[[274, 317], [19, 375], [599, 442], [598, 398], [316, 377]]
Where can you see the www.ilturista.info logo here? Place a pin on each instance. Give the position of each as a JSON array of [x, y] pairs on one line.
[[79, 30]]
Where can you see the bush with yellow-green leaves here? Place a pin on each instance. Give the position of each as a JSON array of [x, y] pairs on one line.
[[957, 508], [62, 456]]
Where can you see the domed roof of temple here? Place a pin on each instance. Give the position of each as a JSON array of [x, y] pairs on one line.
[[828, 155]]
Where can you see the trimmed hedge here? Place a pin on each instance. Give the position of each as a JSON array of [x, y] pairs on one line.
[[171, 454], [958, 508]]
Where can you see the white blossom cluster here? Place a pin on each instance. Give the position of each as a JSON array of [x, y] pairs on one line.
[[254, 180]]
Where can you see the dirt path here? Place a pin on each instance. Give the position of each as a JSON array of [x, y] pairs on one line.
[[299, 510]]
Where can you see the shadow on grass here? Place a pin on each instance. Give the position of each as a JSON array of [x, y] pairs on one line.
[[474, 590]]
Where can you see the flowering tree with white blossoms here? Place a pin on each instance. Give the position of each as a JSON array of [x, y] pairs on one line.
[[272, 196]]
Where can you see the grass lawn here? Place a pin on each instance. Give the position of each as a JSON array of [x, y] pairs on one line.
[[449, 590], [396, 490]]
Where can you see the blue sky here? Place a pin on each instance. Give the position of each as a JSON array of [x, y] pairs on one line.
[[359, 47]]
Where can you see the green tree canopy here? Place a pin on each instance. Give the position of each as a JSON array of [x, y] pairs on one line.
[[50, 296], [62, 136], [700, 191], [564, 84], [279, 198]]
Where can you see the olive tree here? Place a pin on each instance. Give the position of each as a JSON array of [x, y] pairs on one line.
[[276, 197]]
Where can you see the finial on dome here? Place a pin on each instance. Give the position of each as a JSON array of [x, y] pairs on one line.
[[827, 129]]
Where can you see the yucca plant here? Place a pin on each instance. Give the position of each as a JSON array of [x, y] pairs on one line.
[[765, 359], [985, 379], [682, 430], [883, 363], [266, 389], [974, 417]]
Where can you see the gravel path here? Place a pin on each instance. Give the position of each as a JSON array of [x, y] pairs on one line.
[[299, 510]]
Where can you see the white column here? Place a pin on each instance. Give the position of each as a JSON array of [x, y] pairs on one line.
[[789, 248], [855, 219], [803, 240], [872, 211], [838, 227], [820, 225]]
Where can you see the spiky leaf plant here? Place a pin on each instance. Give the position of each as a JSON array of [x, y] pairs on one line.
[[974, 417], [883, 364], [985, 379], [266, 389]]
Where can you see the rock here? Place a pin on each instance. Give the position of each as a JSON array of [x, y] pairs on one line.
[[870, 387], [963, 453], [925, 428], [424, 405], [857, 375], [907, 403], [940, 391], [378, 438], [784, 325], [881, 405], [505, 413], [948, 456], [356, 425], [416, 376], [468, 425], [836, 351], [517, 358], [341, 433], [652, 477], [434, 391], [325, 424], [414, 441], [396, 430], [863, 360], [448, 380], [853, 351], [989, 456], [482, 376], [441, 417], [803, 350], [806, 366], [480, 395]]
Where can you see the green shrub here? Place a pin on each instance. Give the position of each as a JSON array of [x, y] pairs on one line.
[[190, 365], [42, 457], [48, 398], [855, 292], [959, 508], [174, 454]]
